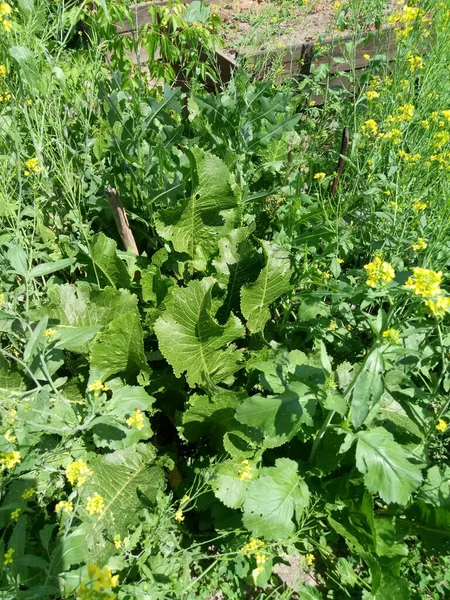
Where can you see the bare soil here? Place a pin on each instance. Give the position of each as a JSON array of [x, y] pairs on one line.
[[264, 24]]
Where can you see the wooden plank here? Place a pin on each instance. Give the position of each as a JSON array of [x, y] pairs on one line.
[[298, 59], [141, 16]]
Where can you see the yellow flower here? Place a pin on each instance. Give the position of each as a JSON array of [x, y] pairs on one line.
[[117, 541], [64, 506], [8, 557], [3, 71], [247, 471], [9, 437], [49, 332], [366, 56], [179, 515], [405, 112], [95, 504], [252, 546], [77, 472], [32, 166], [15, 514], [309, 559], [312, 103], [332, 326], [425, 282], [442, 425], [97, 386], [184, 500], [420, 244], [415, 63], [372, 95], [379, 273], [393, 335], [418, 206], [29, 493], [440, 306], [319, 176], [137, 419], [7, 26], [101, 582], [8, 460], [2, 299], [370, 127], [425, 123]]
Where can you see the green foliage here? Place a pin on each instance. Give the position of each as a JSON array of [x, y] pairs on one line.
[[255, 405]]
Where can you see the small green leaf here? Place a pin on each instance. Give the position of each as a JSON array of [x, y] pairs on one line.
[[18, 260], [227, 486], [51, 267], [273, 282]]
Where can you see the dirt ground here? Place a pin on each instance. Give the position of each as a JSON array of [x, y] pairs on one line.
[[265, 24]]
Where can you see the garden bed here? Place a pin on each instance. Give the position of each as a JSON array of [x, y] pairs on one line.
[[283, 37]]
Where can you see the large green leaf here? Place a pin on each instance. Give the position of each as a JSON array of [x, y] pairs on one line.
[[120, 348], [279, 417], [82, 311], [210, 417], [107, 265], [436, 489], [127, 480], [273, 499], [368, 388], [273, 281], [191, 339], [238, 263], [195, 226], [27, 64], [386, 466]]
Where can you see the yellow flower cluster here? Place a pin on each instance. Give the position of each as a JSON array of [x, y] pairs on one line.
[[2, 299], [379, 273], [409, 158], [309, 559], [253, 547], [442, 425], [425, 282], [420, 244], [28, 493], [392, 335], [419, 206], [5, 97], [8, 557], [5, 11], [9, 436], [3, 71], [440, 139], [117, 541], [64, 506], [369, 128], [32, 167], [319, 176], [77, 473], [247, 471], [95, 504], [415, 63], [136, 419], [179, 516], [97, 386], [439, 306], [405, 19], [15, 514], [8, 460], [102, 581], [372, 95]]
